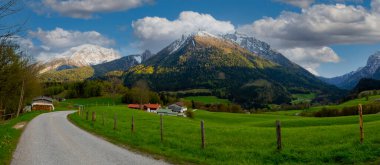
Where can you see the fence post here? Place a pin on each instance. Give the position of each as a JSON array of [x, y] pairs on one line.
[[278, 130], [133, 125], [114, 122], [79, 110], [203, 134], [161, 127], [87, 115], [103, 117], [361, 123], [93, 116]]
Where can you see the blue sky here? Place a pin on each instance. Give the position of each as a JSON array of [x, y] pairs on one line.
[[326, 38]]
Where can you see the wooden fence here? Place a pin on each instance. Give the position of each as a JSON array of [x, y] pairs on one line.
[[277, 127]]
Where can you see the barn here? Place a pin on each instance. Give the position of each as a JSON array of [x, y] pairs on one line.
[[42, 103]]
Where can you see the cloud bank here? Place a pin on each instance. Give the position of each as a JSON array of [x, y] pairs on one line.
[[58, 42], [86, 8], [156, 32], [315, 29]]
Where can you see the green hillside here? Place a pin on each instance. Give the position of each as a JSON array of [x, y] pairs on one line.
[[68, 75], [207, 99], [240, 138], [229, 71]]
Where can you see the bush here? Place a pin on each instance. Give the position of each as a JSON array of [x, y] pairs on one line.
[[190, 114], [345, 111]]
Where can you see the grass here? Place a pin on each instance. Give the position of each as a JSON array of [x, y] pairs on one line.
[[301, 98], [240, 138], [9, 136], [207, 99], [354, 102], [93, 101]]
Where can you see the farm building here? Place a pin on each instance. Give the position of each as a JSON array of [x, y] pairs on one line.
[[42, 103], [177, 108], [134, 106], [152, 107], [166, 112]]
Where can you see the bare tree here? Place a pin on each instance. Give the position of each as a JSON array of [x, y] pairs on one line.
[[8, 8]]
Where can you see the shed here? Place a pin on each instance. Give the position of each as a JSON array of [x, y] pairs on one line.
[[166, 112], [177, 108], [42, 103]]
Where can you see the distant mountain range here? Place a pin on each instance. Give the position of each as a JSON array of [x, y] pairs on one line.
[[251, 77], [234, 66], [350, 80], [84, 55]]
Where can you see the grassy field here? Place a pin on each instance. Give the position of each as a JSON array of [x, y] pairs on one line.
[[93, 101], [207, 99], [240, 138], [300, 98], [9, 136], [354, 102]]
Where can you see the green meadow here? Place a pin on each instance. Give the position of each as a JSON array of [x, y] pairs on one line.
[[207, 99], [9, 136], [239, 138]]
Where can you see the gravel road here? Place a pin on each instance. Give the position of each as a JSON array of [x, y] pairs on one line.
[[50, 139]]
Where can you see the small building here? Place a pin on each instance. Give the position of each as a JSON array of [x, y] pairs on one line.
[[134, 106], [166, 112], [42, 103], [177, 108], [152, 107]]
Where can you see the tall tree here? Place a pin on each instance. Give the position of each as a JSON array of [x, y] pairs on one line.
[[143, 91]]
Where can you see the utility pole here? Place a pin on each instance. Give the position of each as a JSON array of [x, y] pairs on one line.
[[21, 98]]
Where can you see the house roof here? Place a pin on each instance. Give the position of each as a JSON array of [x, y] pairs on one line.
[[134, 106], [152, 106], [43, 98], [181, 104]]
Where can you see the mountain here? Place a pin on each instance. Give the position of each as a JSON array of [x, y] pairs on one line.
[[206, 61], [84, 55], [121, 64], [265, 51], [260, 48], [366, 84], [67, 75], [350, 80]]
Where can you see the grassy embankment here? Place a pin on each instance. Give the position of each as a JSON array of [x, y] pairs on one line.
[[207, 99], [350, 103], [9, 136], [240, 138]]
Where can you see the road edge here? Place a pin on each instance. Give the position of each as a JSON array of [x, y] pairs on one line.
[[141, 152]]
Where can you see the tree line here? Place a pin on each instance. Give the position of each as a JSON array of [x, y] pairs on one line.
[[18, 72]]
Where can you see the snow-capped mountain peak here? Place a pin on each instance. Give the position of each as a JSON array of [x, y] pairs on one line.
[[83, 55], [373, 62]]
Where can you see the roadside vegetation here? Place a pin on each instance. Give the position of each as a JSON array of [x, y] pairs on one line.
[[9, 136], [305, 140]]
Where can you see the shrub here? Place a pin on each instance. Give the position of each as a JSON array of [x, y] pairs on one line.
[[345, 111], [190, 114]]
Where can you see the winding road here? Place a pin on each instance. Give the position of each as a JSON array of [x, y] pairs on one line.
[[50, 139]]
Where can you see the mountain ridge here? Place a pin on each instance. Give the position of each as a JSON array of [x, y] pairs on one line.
[[351, 79], [203, 60]]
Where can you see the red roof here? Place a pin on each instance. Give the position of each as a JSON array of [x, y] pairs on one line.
[[134, 106], [152, 106]]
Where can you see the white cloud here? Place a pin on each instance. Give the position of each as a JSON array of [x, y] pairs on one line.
[[375, 5], [298, 3], [59, 38], [55, 42], [156, 32], [318, 26], [86, 8], [310, 58]]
